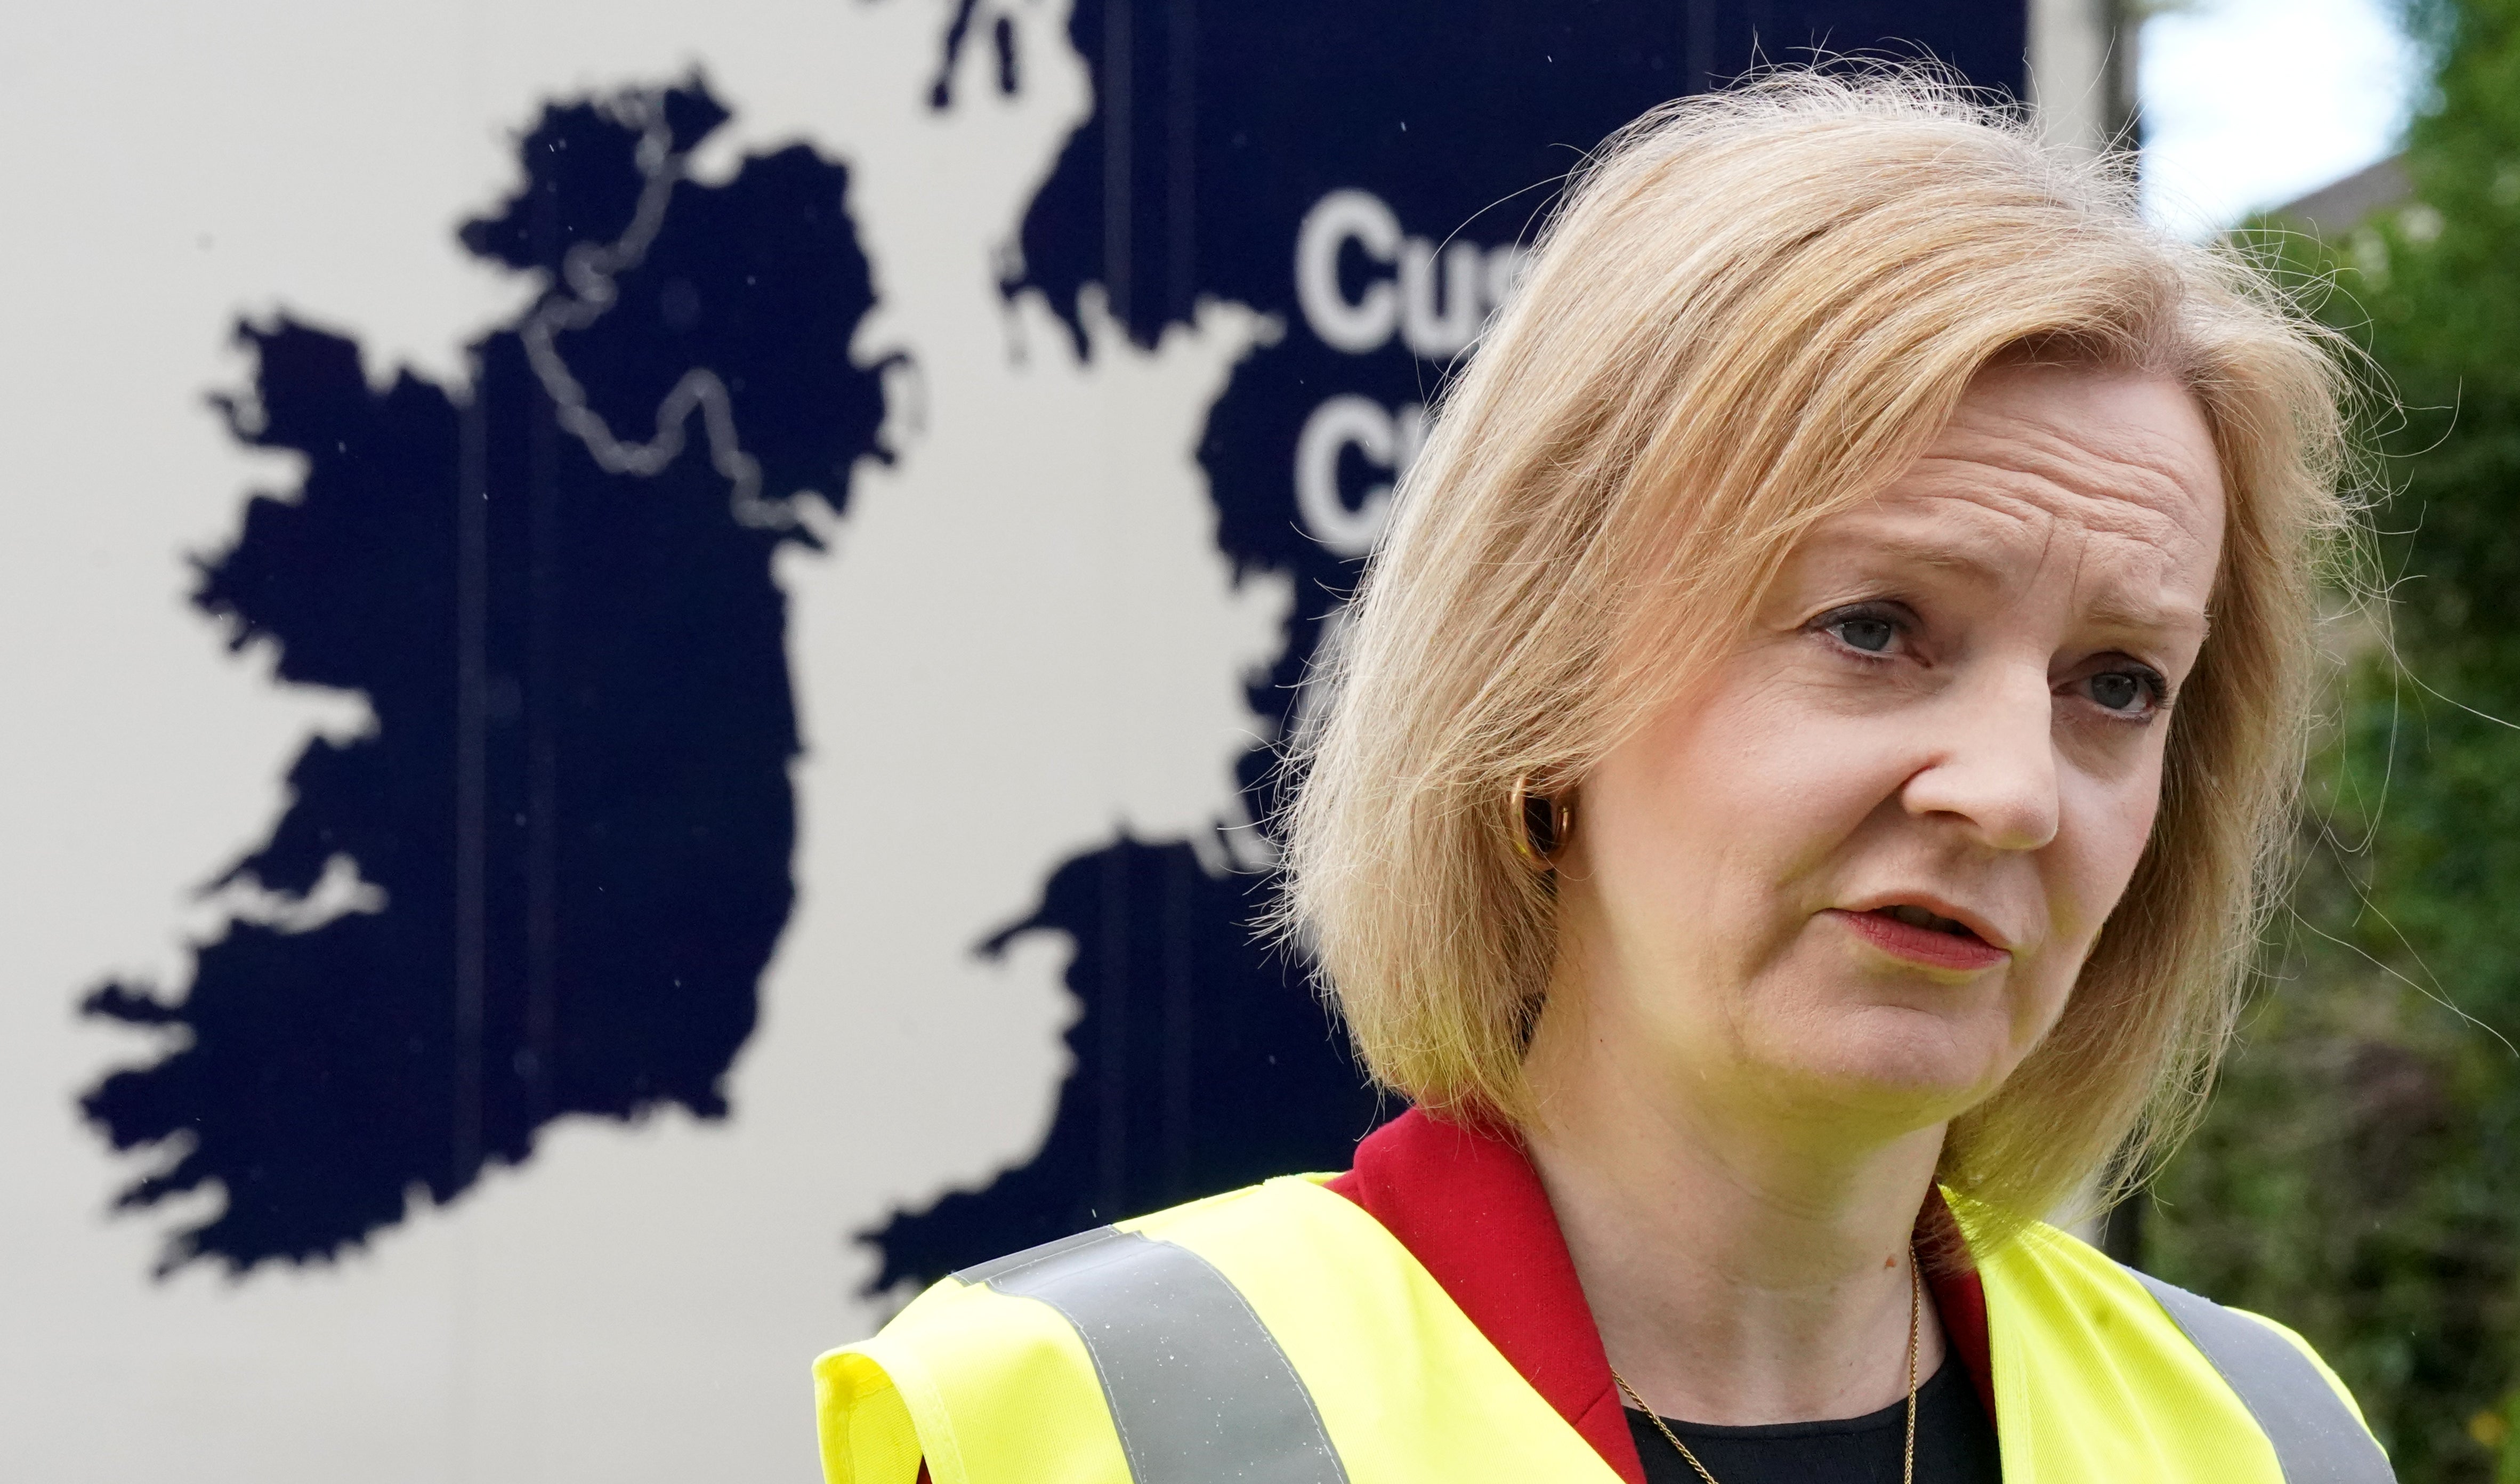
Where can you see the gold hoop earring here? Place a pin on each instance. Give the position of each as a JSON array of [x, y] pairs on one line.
[[1541, 825]]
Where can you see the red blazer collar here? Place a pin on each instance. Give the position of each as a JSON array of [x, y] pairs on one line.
[[1470, 1207]]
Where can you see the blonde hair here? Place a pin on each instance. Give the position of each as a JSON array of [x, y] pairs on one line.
[[1752, 310]]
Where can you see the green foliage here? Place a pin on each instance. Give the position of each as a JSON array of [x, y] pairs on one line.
[[2359, 1175]]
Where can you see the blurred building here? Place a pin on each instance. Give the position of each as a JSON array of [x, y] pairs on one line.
[[2341, 206]]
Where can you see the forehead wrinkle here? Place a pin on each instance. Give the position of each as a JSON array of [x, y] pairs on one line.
[[2146, 506], [2129, 596], [2137, 474]]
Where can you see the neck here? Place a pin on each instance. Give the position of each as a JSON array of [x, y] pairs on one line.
[[1745, 1265]]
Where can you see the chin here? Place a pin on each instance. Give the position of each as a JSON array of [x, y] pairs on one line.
[[1899, 1064]]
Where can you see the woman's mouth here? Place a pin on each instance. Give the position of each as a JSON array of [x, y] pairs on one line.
[[1918, 936]]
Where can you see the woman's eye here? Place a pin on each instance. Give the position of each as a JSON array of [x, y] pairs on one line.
[[2125, 690], [1870, 635]]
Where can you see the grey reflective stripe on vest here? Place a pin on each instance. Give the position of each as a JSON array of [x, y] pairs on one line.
[[1196, 1385], [2317, 1439]]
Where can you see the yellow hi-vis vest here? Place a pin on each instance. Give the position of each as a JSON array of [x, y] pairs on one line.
[[1278, 1334]]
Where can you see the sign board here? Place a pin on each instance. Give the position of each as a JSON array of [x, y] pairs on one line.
[[649, 644]]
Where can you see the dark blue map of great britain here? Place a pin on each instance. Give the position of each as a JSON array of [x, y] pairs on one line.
[[553, 587]]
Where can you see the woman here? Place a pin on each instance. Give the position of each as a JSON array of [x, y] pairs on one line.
[[1793, 805]]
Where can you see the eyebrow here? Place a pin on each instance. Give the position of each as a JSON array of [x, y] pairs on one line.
[[1935, 553], [2115, 610]]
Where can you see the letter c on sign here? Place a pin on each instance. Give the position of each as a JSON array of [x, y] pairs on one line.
[[1337, 424], [1364, 324]]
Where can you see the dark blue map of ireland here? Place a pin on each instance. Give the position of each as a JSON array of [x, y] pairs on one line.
[[554, 589]]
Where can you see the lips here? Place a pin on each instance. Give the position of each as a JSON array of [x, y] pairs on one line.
[[1904, 930]]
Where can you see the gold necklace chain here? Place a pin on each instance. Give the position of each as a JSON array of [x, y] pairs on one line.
[[1907, 1469]]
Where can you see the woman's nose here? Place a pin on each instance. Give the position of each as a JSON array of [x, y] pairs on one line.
[[1992, 759]]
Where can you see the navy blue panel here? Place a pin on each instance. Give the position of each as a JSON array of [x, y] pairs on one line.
[[576, 798]]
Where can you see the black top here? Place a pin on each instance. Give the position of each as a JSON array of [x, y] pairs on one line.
[[1955, 1444]]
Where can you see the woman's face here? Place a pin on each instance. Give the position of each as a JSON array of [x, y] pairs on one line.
[[1862, 863]]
